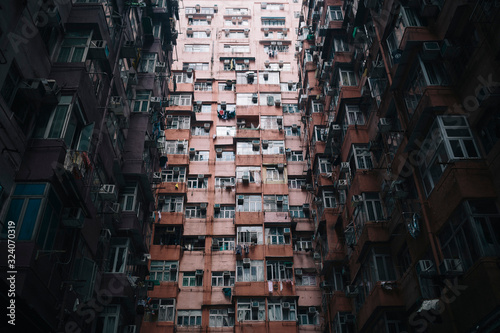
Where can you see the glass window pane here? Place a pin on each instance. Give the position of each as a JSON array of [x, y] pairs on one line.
[[29, 219]]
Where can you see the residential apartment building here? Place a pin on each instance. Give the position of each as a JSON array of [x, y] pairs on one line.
[[232, 245], [401, 102], [80, 115]]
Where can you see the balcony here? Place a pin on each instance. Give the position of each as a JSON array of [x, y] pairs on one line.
[[284, 250], [165, 188], [253, 289], [371, 232], [248, 218], [171, 218], [338, 302]]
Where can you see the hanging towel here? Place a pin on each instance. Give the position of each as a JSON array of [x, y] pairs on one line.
[[270, 286], [281, 285]]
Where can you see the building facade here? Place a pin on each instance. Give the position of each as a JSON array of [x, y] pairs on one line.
[[81, 89]]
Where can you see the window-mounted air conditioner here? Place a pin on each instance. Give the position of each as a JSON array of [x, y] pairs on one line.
[[108, 192]]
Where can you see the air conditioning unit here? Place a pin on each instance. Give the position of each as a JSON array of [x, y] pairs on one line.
[[425, 267], [298, 271], [384, 125], [295, 128], [180, 144], [285, 305], [267, 63], [351, 291], [230, 311], [108, 192], [341, 184], [156, 177], [356, 200], [173, 267], [176, 171], [189, 72], [286, 231], [199, 272], [345, 167], [206, 126], [317, 256], [309, 187], [451, 267], [160, 67], [217, 207], [246, 262], [325, 284], [255, 145], [241, 199], [312, 309], [255, 98], [277, 102], [223, 105], [430, 50], [265, 144], [128, 49], [279, 121], [281, 167], [218, 151], [288, 151], [155, 101], [265, 75], [305, 207], [98, 50], [254, 304], [116, 105], [201, 176], [350, 318], [279, 200], [246, 177], [192, 151], [73, 217], [336, 129]]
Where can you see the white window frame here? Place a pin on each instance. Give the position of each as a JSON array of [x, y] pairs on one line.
[[253, 273], [162, 270]]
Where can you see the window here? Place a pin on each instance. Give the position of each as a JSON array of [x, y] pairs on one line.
[[329, 199], [449, 139], [303, 244], [278, 310], [119, 254], [354, 116], [178, 122], [198, 34], [384, 268], [10, 84], [250, 173], [174, 174], [317, 107], [198, 22], [189, 317], [249, 235], [295, 156], [199, 66], [306, 279], [108, 319], [181, 77], [488, 130], [279, 270], [270, 122], [74, 46], [325, 165], [226, 156], [178, 100], [65, 121], [308, 318], [296, 183], [250, 272], [223, 243], [373, 206], [195, 182], [269, 78], [166, 235], [199, 131], [147, 64], [141, 101], [288, 87], [274, 147], [290, 108], [171, 204], [196, 48], [275, 203], [226, 130], [347, 78], [166, 309], [340, 45], [245, 99], [472, 231], [176, 147], [163, 270], [157, 30], [237, 11], [277, 236], [234, 48], [266, 21], [203, 86], [199, 155], [129, 198], [361, 157], [273, 174], [36, 210], [224, 86], [220, 318], [251, 309], [223, 279], [195, 212], [246, 148], [320, 133], [298, 212], [335, 13], [292, 130], [192, 279], [250, 203]]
